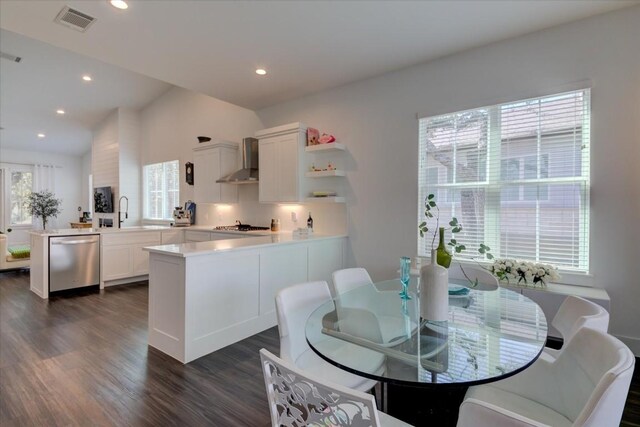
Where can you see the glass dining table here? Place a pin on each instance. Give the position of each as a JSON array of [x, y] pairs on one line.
[[490, 335]]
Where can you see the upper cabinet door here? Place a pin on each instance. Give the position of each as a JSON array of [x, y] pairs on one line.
[[288, 173], [206, 171], [210, 163], [268, 186], [281, 177]]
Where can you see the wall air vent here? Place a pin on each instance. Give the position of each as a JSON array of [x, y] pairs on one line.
[[10, 57], [74, 19]]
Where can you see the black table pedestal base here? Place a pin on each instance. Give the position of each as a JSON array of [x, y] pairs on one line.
[[425, 406]]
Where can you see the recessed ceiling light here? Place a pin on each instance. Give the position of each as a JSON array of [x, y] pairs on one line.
[[119, 4], [261, 71], [60, 111], [41, 135], [87, 78]]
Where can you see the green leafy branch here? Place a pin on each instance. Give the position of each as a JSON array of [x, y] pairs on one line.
[[430, 206]]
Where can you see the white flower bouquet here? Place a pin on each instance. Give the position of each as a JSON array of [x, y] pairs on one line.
[[523, 272]]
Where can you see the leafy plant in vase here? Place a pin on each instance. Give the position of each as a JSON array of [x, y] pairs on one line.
[[44, 205], [434, 277]]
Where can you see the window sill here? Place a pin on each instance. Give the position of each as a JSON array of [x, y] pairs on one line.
[[571, 278]]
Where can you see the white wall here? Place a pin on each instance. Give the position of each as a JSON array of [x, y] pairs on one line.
[[68, 184], [376, 119], [87, 200], [130, 170], [105, 159], [171, 124]]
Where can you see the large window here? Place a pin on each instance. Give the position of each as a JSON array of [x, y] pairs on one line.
[[161, 190], [515, 175], [19, 192]]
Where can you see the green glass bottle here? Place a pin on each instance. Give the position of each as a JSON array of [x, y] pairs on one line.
[[443, 257]]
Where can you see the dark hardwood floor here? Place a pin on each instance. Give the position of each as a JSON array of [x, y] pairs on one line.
[[83, 360]]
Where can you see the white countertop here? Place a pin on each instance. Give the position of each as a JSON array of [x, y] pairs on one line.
[[184, 250]]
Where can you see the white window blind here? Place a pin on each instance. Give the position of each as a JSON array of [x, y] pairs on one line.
[[515, 175], [161, 186]]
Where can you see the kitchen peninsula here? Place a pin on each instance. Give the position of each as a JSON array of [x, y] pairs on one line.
[[204, 296]]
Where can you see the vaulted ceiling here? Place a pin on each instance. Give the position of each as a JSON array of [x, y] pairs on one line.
[[214, 47]]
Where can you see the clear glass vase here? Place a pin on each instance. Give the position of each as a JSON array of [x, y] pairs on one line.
[[405, 276]]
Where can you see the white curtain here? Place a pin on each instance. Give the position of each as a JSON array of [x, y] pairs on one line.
[[44, 178]]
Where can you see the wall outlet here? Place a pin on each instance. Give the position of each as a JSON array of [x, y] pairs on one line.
[[294, 217]]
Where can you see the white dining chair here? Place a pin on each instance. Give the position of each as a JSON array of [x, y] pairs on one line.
[[349, 278], [391, 325], [294, 305], [481, 279], [576, 313], [297, 398], [586, 386]]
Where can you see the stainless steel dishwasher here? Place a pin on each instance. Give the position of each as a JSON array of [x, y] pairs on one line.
[[74, 262]]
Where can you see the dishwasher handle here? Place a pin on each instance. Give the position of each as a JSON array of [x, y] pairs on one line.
[[72, 242]]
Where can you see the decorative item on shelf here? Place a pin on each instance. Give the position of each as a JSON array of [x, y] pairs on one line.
[[330, 167], [80, 219], [188, 168], [523, 273], [202, 139], [405, 276], [434, 291], [275, 224], [43, 204], [326, 139], [312, 136]]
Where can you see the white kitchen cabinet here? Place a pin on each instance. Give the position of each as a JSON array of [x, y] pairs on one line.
[[117, 262], [191, 236], [123, 257], [211, 162], [281, 176], [172, 237]]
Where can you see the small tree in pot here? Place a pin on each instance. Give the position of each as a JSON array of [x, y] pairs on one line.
[[43, 204]]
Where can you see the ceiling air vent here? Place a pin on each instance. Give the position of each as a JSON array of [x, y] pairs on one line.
[[74, 19], [10, 57]]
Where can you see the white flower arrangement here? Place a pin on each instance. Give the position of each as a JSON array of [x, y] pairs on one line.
[[517, 272]]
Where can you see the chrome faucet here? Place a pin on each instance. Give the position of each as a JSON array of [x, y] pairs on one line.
[[126, 212]]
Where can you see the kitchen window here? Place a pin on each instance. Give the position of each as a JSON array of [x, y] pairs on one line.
[[161, 187], [17, 185], [516, 176]]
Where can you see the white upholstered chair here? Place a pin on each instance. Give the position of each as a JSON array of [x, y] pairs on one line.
[[297, 398], [586, 386], [349, 278], [294, 305], [576, 313], [391, 326]]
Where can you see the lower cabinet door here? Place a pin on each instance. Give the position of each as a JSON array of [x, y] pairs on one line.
[[117, 262], [140, 260]]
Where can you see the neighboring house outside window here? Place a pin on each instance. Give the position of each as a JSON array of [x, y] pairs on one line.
[[161, 188], [515, 175]]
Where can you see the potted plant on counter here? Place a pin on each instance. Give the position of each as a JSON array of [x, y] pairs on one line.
[[43, 204]]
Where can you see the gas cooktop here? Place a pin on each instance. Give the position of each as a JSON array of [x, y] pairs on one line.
[[239, 227]]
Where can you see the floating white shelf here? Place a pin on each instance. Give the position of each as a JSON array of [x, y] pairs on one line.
[[320, 174], [333, 199], [325, 148]]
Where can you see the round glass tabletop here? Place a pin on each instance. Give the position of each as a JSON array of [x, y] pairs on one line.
[[489, 335]]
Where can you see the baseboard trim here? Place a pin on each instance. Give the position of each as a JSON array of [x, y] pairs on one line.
[[632, 343]]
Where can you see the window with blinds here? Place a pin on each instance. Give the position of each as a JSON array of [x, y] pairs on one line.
[[161, 188], [515, 175]]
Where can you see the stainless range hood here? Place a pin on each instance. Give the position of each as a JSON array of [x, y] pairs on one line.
[[249, 172]]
